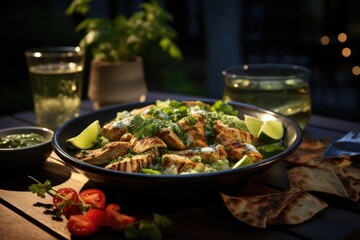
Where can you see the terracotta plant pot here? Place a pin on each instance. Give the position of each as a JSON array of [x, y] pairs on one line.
[[112, 83]]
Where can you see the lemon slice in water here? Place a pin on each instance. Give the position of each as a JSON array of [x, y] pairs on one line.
[[271, 131], [86, 138], [253, 124]]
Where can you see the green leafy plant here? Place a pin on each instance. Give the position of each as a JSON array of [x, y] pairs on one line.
[[122, 38]]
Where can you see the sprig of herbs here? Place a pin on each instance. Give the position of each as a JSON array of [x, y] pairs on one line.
[[40, 189]]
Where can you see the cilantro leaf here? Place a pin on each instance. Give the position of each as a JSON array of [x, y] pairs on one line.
[[41, 188], [220, 106], [269, 150], [143, 127]]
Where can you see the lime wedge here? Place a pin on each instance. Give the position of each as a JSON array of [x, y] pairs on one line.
[[245, 160], [86, 138], [253, 124], [271, 131]]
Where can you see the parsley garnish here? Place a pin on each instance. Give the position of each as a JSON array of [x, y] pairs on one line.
[[192, 120], [272, 149], [143, 127], [41, 188], [220, 106]]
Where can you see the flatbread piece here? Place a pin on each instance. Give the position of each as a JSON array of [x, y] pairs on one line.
[[308, 152], [291, 206]]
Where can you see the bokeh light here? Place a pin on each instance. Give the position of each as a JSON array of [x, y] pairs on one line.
[[356, 70], [324, 40], [342, 37], [346, 52]]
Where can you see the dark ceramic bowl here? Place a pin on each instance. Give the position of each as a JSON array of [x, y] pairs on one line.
[[24, 158], [167, 188]]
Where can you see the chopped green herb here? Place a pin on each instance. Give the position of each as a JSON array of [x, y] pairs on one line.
[[150, 171], [224, 107], [143, 127], [269, 150], [21, 140]]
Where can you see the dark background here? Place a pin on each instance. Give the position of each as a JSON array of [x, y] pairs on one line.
[[212, 35]]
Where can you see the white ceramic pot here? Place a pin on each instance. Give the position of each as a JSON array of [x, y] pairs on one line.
[[112, 83]]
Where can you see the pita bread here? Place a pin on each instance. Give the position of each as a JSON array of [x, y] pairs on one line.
[[250, 210], [276, 208], [320, 179], [350, 166], [280, 201], [308, 152], [348, 170], [300, 209], [347, 182]]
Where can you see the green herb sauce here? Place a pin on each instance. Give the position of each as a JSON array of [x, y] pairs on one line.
[[21, 140]]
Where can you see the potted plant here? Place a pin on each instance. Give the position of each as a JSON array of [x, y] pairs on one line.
[[117, 46]]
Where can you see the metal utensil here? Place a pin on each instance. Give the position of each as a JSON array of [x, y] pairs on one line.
[[348, 145]]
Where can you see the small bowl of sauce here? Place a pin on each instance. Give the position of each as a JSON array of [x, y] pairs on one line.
[[24, 147]]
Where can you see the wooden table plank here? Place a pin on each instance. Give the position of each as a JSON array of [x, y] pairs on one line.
[[9, 121], [334, 124], [13, 226]]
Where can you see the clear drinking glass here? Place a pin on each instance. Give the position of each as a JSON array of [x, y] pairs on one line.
[[282, 88], [56, 75]]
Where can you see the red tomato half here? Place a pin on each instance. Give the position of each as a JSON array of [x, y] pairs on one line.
[[81, 225], [97, 216], [115, 219], [69, 194], [94, 197]]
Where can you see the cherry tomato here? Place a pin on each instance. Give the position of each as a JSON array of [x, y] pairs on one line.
[[115, 219], [72, 196], [81, 225], [95, 197], [97, 216]]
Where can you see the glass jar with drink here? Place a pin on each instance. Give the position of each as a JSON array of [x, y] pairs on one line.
[[282, 88], [56, 75]]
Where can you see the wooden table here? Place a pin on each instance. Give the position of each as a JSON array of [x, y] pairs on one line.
[[20, 219]]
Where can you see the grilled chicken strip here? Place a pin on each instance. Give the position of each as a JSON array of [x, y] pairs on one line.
[[171, 139], [115, 129], [134, 163], [236, 149], [103, 155], [128, 137], [194, 129], [182, 163], [207, 154], [235, 133], [146, 143], [141, 111]]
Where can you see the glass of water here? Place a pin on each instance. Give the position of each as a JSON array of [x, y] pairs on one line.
[[282, 88], [56, 75]]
